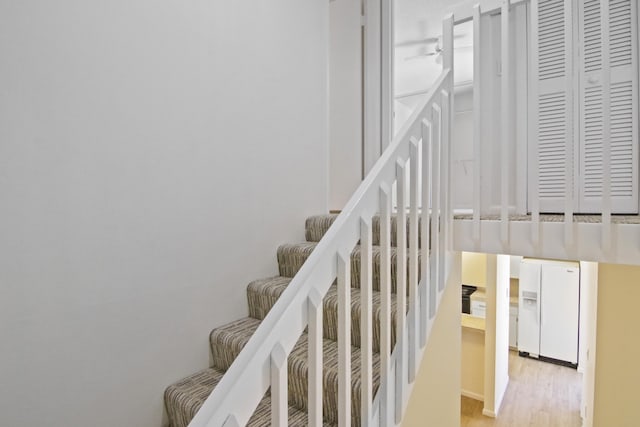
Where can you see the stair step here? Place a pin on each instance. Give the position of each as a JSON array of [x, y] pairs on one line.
[[262, 295], [228, 340], [292, 256], [184, 398], [316, 226]]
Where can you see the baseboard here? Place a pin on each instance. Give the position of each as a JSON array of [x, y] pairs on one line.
[[488, 413], [472, 395], [500, 396]]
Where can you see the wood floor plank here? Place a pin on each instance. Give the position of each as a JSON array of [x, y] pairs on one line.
[[539, 394]]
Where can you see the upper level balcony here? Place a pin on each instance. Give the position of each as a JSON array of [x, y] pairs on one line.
[[544, 153]]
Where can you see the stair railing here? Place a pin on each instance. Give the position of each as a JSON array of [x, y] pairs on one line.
[[262, 364]]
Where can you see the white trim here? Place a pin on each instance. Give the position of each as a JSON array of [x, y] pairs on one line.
[[570, 190], [372, 83], [472, 395], [477, 121], [533, 193], [551, 244], [464, 12], [505, 117], [522, 103], [378, 79], [387, 61], [488, 413]]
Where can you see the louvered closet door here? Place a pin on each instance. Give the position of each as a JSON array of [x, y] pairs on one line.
[[551, 103], [622, 49]]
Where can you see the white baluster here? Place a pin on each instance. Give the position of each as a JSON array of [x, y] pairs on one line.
[[401, 286], [606, 126], [279, 400], [366, 321], [569, 141], [385, 303], [436, 161], [413, 259], [447, 230], [315, 358], [426, 225], [447, 105], [505, 136], [477, 122], [445, 195], [447, 43], [387, 70], [344, 339], [533, 133]]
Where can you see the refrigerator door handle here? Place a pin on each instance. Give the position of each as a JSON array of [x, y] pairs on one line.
[[539, 315]]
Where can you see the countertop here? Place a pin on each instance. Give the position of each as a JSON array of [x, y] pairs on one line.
[[480, 295], [473, 322]]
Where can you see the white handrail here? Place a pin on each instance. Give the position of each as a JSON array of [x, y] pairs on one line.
[[245, 383]]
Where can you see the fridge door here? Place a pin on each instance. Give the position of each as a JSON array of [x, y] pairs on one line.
[[560, 291], [529, 308], [513, 326]]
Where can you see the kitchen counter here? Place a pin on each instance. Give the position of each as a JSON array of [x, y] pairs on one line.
[[473, 322], [480, 295]]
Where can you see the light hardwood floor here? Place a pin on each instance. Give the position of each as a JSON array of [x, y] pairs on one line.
[[539, 395]]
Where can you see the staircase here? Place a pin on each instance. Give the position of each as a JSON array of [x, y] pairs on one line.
[[337, 337], [184, 398]]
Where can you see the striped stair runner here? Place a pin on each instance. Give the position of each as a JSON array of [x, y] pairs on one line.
[[184, 398]]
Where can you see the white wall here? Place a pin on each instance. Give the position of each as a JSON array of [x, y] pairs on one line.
[[153, 154], [588, 328], [503, 281], [496, 356], [345, 93], [435, 400], [462, 150]]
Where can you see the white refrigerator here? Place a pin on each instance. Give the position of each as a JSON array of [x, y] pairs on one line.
[[549, 307]]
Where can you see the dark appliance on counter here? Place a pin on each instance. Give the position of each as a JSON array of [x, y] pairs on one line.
[[467, 290]]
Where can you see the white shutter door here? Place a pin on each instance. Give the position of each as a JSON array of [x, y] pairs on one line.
[[551, 116], [622, 49]]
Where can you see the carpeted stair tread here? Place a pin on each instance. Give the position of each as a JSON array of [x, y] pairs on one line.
[[184, 398], [298, 369], [291, 257], [317, 226], [228, 340], [262, 295], [330, 316]]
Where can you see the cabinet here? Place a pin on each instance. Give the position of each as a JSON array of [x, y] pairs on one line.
[[581, 67]]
